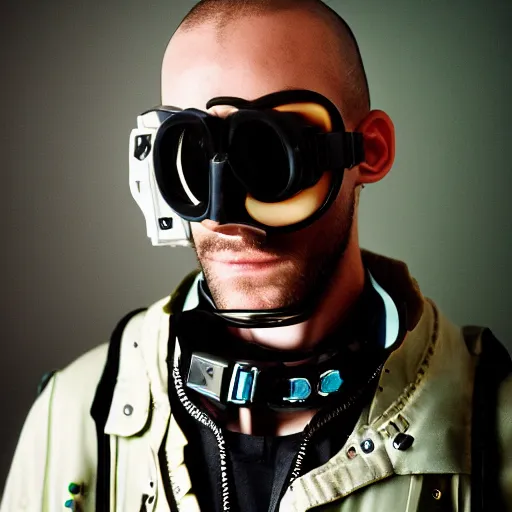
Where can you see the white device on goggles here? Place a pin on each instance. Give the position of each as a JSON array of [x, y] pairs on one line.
[[275, 164]]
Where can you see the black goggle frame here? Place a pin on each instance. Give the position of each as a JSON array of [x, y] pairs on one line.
[[307, 157]]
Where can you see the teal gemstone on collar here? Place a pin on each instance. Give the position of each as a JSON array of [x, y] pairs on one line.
[[70, 504], [300, 389], [330, 382], [244, 386]]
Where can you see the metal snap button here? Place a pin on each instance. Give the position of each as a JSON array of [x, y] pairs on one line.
[[367, 446], [128, 409], [402, 441], [436, 494]]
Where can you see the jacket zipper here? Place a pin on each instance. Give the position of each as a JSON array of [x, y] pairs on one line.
[[199, 415], [322, 421]]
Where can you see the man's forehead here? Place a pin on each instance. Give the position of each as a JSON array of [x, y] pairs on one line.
[[197, 66]]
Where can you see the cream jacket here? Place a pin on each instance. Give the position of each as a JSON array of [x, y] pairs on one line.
[[425, 390]]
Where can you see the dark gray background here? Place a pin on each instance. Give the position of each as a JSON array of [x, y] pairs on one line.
[[75, 257]]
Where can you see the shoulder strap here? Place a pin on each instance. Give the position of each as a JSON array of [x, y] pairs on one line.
[[493, 366], [100, 409]]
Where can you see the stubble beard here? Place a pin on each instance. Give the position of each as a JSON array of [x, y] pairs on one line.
[[303, 276]]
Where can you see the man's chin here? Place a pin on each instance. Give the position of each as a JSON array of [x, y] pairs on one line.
[[254, 298], [272, 285], [246, 271]]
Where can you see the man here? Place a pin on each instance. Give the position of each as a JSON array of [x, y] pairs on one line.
[[296, 371]]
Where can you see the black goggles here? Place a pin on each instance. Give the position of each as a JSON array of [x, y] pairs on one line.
[[254, 166]]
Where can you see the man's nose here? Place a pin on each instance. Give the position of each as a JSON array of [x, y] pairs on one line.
[[221, 110]]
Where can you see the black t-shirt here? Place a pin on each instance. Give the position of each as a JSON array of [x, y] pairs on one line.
[[260, 466]]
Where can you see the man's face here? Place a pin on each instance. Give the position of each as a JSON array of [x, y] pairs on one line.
[[254, 57]]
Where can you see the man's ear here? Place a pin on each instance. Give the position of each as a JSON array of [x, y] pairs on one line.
[[379, 146]]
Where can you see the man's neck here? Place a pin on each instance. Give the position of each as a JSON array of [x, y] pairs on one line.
[[342, 293]]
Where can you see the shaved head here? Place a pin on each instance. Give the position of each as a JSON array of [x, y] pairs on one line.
[[339, 44]]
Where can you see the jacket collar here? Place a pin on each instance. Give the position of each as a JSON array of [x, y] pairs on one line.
[[424, 391]]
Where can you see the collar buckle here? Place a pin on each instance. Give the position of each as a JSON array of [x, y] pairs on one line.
[[207, 374], [243, 384]]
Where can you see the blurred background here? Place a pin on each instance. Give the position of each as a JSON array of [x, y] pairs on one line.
[[75, 256]]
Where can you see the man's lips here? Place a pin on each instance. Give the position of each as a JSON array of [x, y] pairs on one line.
[[243, 258]]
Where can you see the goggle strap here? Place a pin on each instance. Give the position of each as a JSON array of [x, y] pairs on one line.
[[217, 165], [354, 149], [336, 150]]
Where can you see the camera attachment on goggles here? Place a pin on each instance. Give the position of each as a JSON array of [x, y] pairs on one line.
[[275, 163]]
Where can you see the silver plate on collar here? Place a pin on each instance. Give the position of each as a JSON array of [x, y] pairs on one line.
[[205, 375]]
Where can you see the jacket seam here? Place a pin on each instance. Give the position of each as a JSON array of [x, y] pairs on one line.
[[341, 495], [421, 372]]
